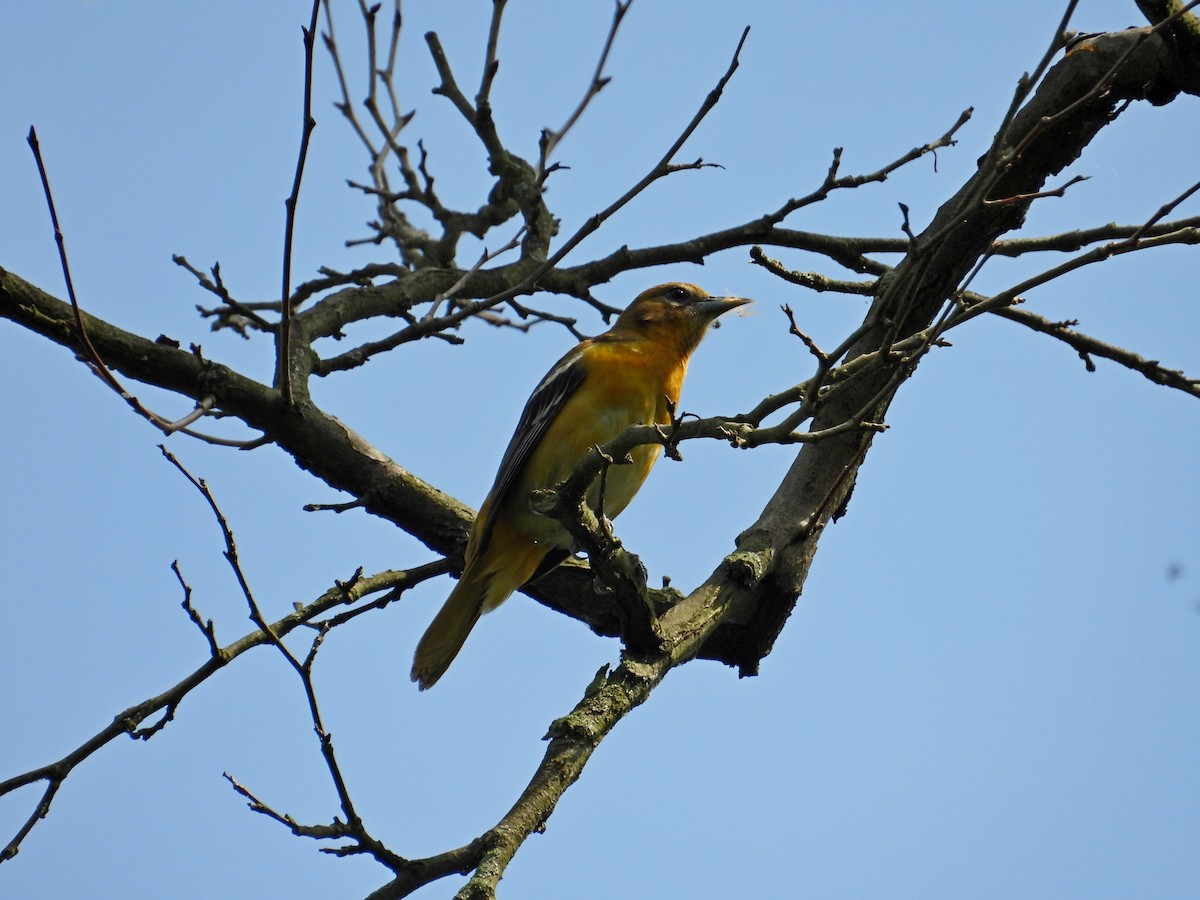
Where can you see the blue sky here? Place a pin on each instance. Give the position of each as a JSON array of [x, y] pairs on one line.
[[991, 686]]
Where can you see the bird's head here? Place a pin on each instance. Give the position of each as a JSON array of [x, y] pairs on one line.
[[676, 312]]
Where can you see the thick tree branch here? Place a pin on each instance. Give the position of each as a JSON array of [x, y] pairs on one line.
[[318, 442], [736, 615]]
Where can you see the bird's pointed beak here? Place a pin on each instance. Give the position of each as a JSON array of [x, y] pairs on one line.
[[714, 307]]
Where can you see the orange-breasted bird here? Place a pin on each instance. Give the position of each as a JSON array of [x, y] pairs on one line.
[[627, 376]]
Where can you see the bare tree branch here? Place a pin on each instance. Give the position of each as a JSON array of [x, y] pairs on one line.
[[1088, 347], [130, 721], [1080, 238], [550, 138], [737, 613], [834, 182]]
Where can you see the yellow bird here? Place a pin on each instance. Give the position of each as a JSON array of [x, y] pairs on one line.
[[626, 376]]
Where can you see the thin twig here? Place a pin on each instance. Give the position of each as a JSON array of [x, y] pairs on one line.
[[1070, 241], [1162, 211], [92, 356], [284, 370], [1037, 195], [206, 628], [811, 280], [551, 138], [354, 827], [834, 182], [217, 287], [808, 342], [1087, 347], [491, 62]]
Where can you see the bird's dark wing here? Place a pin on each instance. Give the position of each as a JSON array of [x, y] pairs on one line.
[[543, 406]]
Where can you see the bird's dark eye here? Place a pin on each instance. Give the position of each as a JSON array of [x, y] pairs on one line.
[[676, 293]]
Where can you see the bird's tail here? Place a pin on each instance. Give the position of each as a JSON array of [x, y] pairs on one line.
[[449, 629], [485, 584]]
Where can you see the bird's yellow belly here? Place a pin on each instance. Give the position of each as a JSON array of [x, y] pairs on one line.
[[561, 452]]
